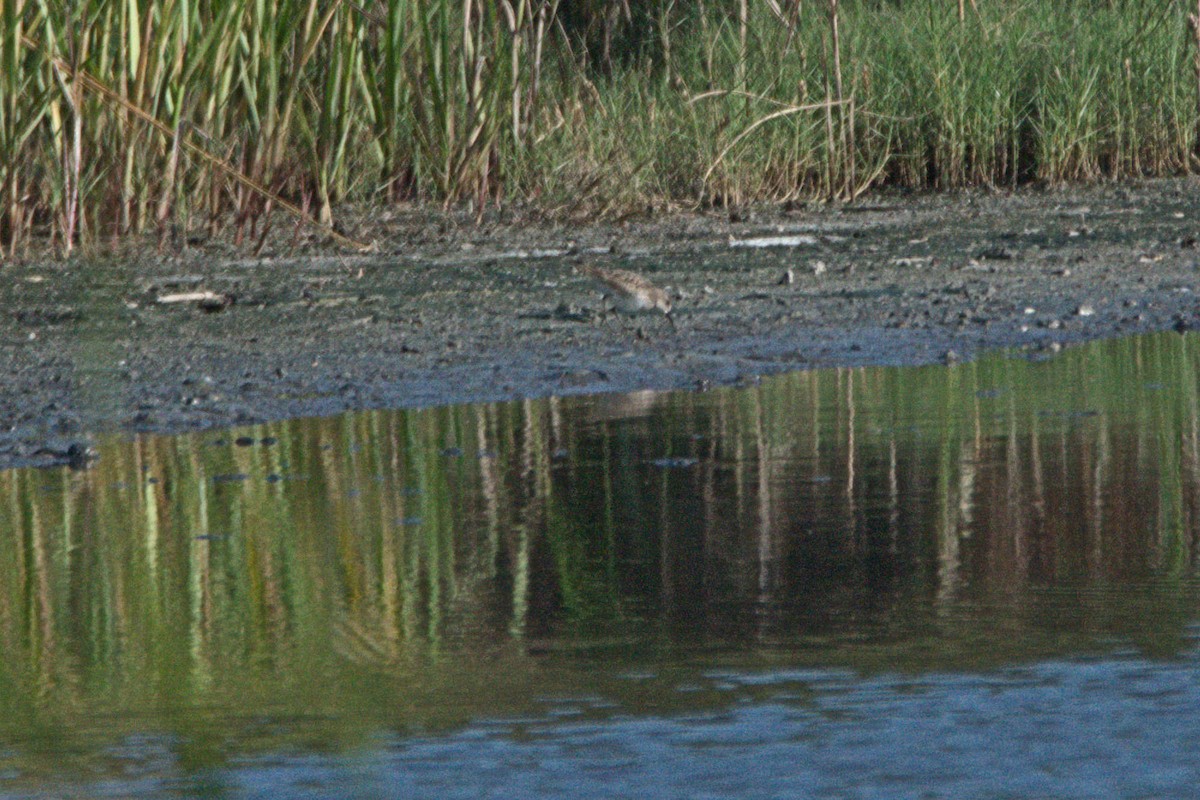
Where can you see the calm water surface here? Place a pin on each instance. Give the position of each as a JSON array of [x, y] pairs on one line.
[[976, 581]]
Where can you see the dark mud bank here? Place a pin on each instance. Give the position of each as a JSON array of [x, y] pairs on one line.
[[445, 314]]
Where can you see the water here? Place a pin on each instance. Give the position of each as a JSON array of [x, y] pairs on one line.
[[967, 581]]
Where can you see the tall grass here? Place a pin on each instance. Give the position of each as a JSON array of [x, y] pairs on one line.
[[120, 118]]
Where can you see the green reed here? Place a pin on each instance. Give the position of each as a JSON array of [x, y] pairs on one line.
[[587, 110]]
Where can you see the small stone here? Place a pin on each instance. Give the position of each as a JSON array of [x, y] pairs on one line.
[[1085, 311], [80, 455], [787, 278], [995, 254], [817, 267], [567, 312]]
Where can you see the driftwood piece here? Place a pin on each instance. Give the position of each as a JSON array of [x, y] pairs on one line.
[[206, 300]]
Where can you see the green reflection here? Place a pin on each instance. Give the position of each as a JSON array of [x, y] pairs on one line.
[[417, 569]]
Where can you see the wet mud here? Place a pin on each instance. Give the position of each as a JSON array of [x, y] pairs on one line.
[[447, 311]]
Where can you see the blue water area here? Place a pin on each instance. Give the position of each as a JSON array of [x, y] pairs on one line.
[[1112, 726]]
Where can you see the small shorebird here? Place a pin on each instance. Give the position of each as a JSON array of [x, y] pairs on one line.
[[630, 293]]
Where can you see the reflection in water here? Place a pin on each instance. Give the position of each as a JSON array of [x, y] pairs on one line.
[[308, 585]]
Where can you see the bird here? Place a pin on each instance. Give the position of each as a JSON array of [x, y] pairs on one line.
[[629, 292]]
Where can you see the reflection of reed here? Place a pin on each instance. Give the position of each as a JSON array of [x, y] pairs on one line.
[[851, 452], [814, 499], [765, 462]]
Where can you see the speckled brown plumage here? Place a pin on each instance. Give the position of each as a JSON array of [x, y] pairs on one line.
[[629, 292]]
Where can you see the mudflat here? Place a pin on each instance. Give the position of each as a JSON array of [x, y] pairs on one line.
[[449, 311]]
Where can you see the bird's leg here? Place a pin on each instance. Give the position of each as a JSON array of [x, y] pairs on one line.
[[604, 309], [617, 312], [609, 308]]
